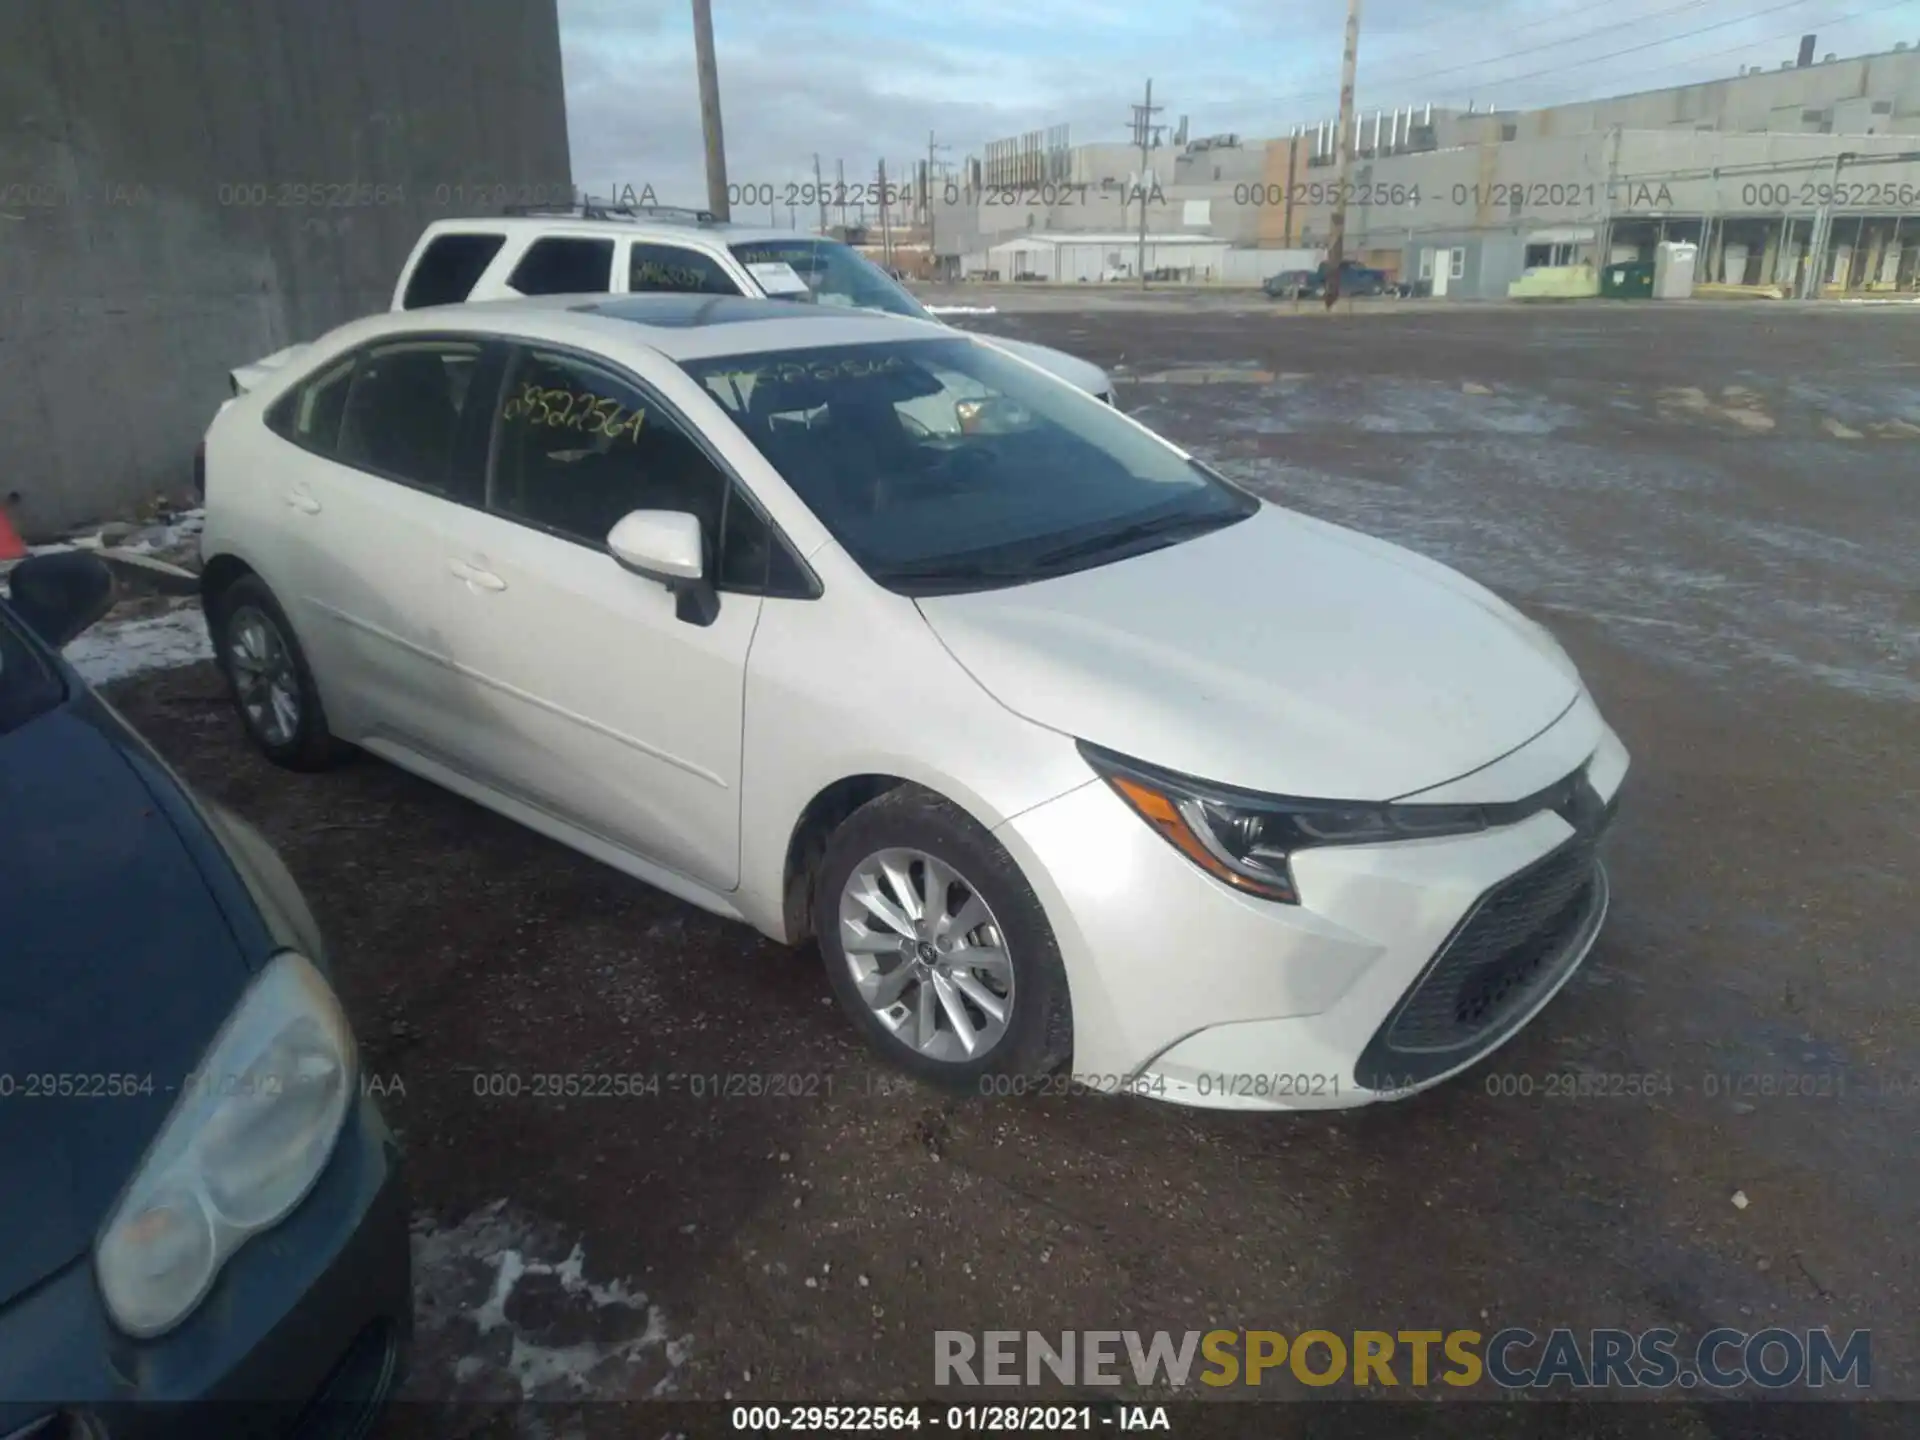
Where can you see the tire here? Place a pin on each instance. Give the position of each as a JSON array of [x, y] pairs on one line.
[[1037, 1037], [242, 615]]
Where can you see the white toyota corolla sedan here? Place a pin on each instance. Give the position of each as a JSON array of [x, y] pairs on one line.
[[1075, 758]]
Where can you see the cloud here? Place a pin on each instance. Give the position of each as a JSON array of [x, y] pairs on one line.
[[863, 80]]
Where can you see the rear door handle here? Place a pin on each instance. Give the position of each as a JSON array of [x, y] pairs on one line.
[[479, 579], [303, 501]]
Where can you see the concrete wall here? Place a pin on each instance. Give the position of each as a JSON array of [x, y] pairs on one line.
[[180, 192]]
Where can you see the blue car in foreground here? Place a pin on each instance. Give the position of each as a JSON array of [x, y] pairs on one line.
[[203, 1230]]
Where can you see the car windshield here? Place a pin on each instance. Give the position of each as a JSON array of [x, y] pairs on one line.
[[945, 465], [27, 686], [834, 274]]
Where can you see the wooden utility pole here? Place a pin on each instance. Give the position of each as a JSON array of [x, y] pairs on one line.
[[820, 194], [1144, 135], [933, 256], [886, 227], [710, 108], [1337, 241]]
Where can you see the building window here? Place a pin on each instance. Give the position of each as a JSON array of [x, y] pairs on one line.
[[1458, 268], [1426, 264]]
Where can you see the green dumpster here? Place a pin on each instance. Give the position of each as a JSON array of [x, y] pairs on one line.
[[1629, 280]]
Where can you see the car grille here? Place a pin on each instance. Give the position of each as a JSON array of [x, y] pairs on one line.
[[1492, 965], [1514, 945]]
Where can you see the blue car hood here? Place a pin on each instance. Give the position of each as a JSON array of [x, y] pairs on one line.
[[115, 961]]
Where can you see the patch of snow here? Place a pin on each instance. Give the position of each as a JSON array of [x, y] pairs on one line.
[[963, 309], [116, 649], [504, 1310]]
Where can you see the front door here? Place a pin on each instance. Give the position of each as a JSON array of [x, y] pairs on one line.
[[589, 696]]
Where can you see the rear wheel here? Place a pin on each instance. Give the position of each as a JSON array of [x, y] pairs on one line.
[[937, 947], [268, 678]]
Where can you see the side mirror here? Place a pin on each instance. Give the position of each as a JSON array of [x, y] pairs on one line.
[[666, 546], [60, 595]]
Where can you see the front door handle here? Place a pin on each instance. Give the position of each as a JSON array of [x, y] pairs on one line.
[[479, 579], [303, 501]]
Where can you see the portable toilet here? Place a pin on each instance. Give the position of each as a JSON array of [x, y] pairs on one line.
[[1673, 265]]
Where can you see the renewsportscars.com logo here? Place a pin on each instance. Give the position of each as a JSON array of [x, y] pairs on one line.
[[1513, 1358]]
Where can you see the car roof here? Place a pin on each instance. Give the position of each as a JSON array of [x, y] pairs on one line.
[[680, 326]]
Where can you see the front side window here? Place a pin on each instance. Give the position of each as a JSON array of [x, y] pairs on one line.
[[943, 465], [676, 269], [565, 265], [578, 447], [833, 273], [404, 407]]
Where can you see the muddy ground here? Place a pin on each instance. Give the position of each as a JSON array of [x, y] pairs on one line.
[[1718, 510]]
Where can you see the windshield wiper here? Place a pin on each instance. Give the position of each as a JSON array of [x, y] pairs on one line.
[[1166, 528]]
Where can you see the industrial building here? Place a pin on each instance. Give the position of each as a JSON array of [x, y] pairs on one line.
[[186, 188], [1762, 170]]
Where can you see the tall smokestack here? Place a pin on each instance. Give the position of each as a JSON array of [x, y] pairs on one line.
[[1806, 51]]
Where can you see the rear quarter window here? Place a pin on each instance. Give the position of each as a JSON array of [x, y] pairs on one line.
[[449, 268], [309, 414]]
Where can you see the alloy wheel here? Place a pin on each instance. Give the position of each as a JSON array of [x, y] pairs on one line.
[[926, 955], [264, 679]]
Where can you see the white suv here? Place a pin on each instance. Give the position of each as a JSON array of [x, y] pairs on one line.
[[612, 251]]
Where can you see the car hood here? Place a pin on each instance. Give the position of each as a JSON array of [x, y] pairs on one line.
[[116, 961], [1281, 654], [1081, 374]]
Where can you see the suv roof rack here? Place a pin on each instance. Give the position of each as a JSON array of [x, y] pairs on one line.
[[595, 210]]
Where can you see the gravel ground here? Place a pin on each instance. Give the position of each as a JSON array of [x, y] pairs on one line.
[[1713, 507]]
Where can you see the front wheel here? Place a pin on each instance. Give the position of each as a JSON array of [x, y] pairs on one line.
[[937, 947]]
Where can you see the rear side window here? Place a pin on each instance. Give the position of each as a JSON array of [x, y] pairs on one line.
[[565, 265], [449, 269], [674, 268], [309, 414], [404, 408]]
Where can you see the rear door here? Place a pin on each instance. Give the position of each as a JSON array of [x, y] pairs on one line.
[[590, 697], [371, 510], [563, 265]]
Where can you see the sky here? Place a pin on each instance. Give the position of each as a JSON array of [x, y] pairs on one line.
[[858, 81]]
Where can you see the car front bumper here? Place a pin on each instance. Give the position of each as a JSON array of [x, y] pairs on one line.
[[1403, 965], [305, 1331]]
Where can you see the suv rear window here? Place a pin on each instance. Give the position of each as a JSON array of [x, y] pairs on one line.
[[449, 268], [564, 265]]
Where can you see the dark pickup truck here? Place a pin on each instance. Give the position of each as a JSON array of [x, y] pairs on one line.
[[1355, 279]]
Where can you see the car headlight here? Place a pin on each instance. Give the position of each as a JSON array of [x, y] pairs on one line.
[[252, 1130], [1247, 840]]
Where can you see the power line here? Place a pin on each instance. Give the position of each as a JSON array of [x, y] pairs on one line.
[[1588, 60], [1564, 40], [1817, 25]]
